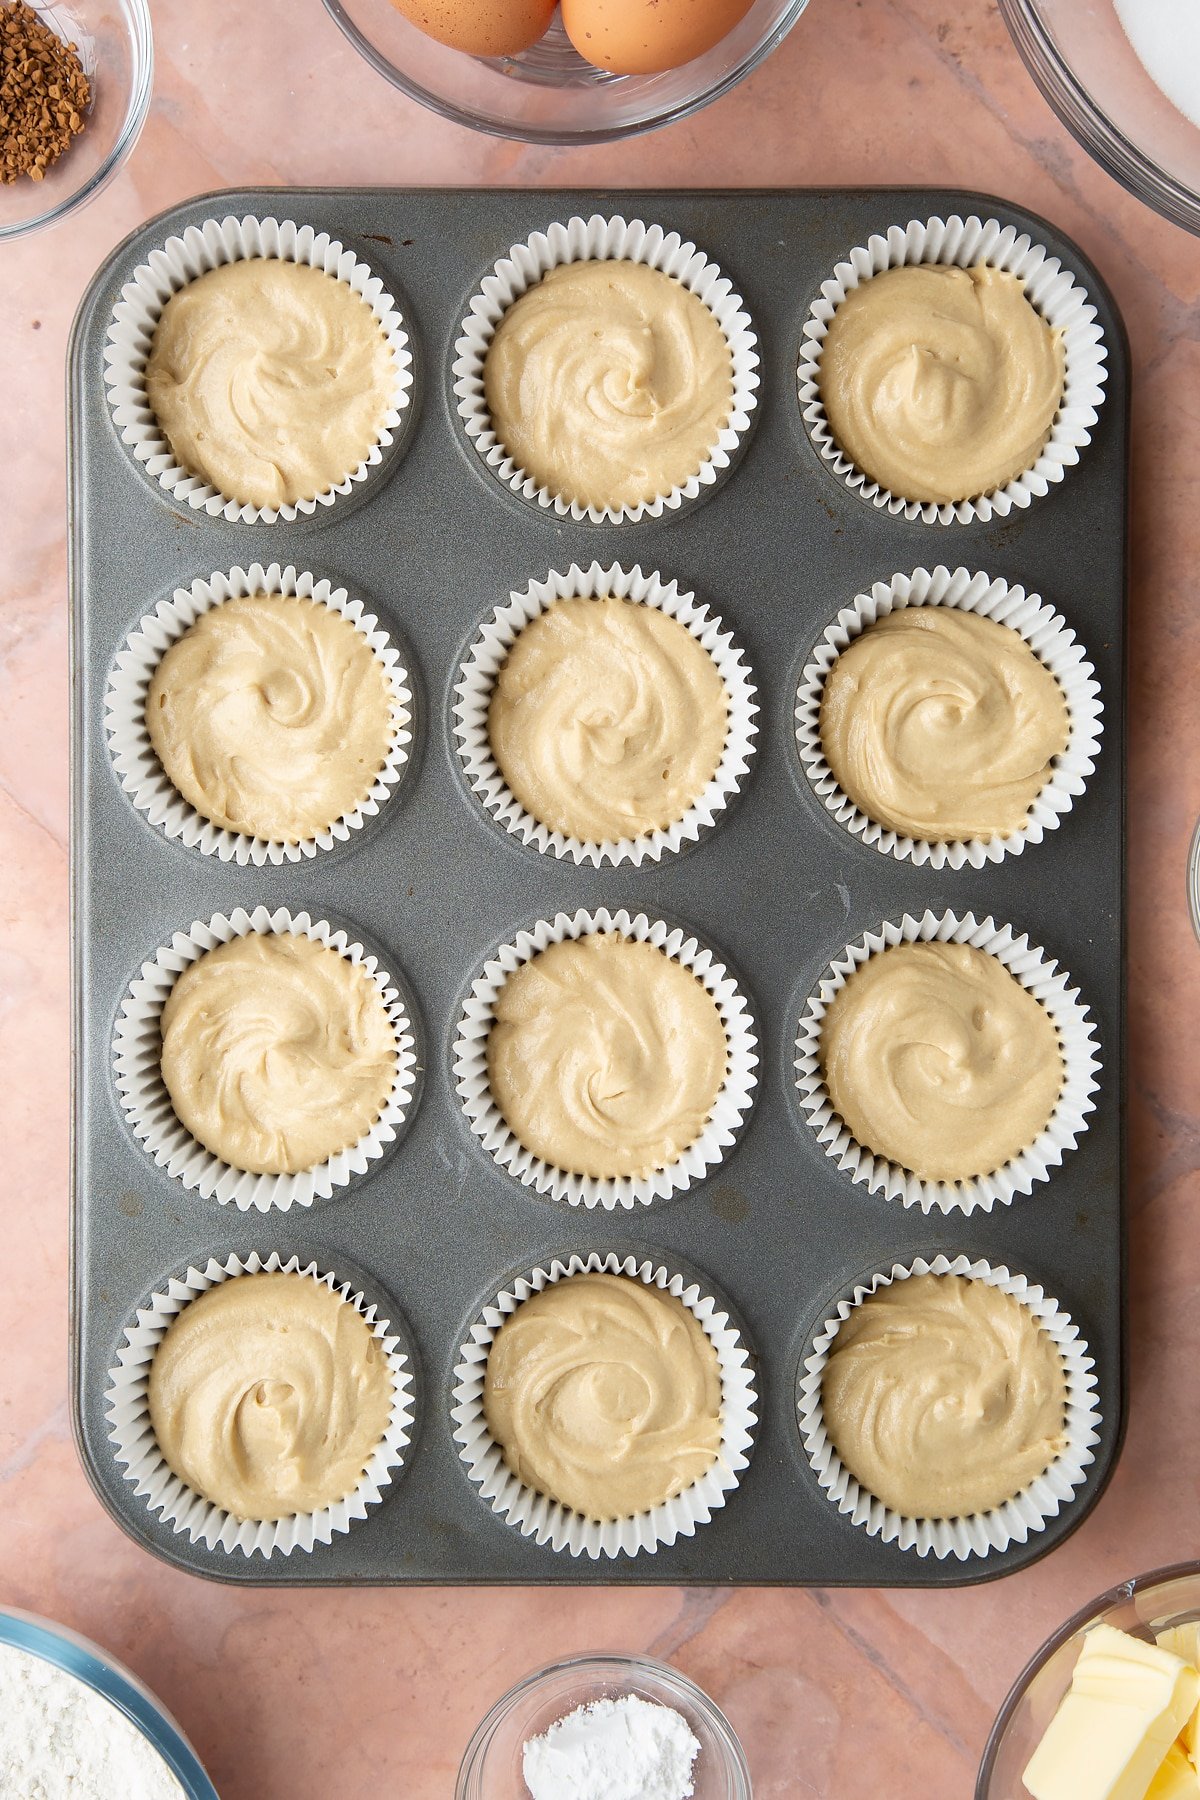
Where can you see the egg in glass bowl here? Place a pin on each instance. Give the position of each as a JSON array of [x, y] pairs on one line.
[[515, 70]]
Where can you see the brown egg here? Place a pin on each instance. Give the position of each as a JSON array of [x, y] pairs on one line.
[[639, 37], [480, 27]]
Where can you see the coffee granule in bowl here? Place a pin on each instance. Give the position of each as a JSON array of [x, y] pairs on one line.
[[44, 93]]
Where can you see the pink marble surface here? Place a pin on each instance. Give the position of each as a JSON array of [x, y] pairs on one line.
[[837, 1695]]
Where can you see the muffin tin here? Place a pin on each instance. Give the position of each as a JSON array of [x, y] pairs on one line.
[[433, 542]]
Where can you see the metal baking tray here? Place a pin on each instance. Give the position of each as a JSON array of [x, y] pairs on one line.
[[779, 886]]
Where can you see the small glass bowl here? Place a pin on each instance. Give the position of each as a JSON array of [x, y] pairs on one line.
[[1193, 879], [491, 1768], [549, 94], [1146, 1605], [106, 1676], [116, 48], [1085, 66]]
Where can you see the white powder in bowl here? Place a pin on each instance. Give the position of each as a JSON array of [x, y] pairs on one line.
[[60, 1740], [627, 1749], [1166, 37]]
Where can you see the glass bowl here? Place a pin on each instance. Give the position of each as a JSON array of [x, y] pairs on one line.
[[1081, 59], [549, 94], [1145, 1605], [491, 1769], [1193, 879], [103, 1673], [116, 49]]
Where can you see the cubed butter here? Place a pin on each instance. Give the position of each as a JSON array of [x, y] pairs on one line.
[[1124, 1709], [1176, 1780], [1184, 1641]]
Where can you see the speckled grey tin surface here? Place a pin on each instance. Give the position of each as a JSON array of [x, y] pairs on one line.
[[434, 543]]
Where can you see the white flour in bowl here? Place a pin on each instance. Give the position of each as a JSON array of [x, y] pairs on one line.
[[627, 1749], [60, 1740], [1166, 37]]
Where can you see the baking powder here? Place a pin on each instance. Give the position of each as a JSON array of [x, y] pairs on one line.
[[627, 1749], [60, 1740]]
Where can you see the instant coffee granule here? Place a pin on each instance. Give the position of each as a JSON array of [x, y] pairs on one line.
[[44, 93]]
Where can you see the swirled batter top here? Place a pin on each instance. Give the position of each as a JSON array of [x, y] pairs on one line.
[[605, 1395], [607, 719], [609, 383], [944, 1397], [277, 1052], [271, 715], [942, 725], [941, 383], [270, 380], [938, 1059], [606, 1056], [269, 1395]]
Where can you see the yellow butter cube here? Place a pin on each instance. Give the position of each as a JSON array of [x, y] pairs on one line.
[[1184, 1641], [1123, 1711], [1176, 1780]]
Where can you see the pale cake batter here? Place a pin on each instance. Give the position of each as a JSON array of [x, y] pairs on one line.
[[604, 1394], [944, 1397], [941, 383], [936, 1058], [607, 719], [609, 383], [268, 1395], [272, 716], [277, 1052], [606, 1056], [270, 379]]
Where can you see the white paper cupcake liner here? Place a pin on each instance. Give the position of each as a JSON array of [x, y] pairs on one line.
[[1055, 292], [1076, 1038], [1052, 642], [181, 260], [548, 1521], [603, 240], [143, 776], [137, 1056], [977, 1535], [729, 1108], [473, 695], [136, 1449]]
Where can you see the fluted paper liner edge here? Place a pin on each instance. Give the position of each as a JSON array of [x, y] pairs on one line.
[[143, 1096], [724, 1121], [182, 259], [141, 773], [1053, 290], [189, 1513], [600, 239], [548, 1521], [473, 693], [981, 1533], [1053, 643], [1036, 972]]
